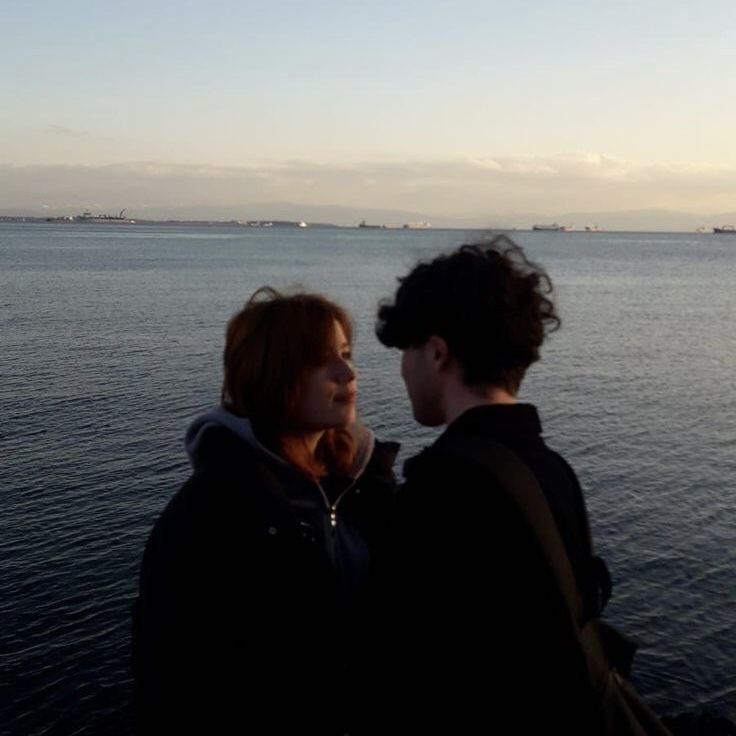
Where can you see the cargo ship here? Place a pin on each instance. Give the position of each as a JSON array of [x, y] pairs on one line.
[[554, 228], [119, 219]]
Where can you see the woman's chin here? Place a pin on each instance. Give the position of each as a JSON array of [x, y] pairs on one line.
[[346, 417]]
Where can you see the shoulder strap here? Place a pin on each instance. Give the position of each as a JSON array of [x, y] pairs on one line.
[[597, 640]]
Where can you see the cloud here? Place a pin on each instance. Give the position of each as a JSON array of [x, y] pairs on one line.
[[478, 188], [63, 131]]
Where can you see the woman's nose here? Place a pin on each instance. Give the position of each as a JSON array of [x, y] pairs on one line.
[[346, 372]]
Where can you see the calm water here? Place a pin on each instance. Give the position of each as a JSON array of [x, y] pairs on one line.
[[110, 342]]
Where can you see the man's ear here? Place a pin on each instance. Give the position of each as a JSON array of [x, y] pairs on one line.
[[438, 351]]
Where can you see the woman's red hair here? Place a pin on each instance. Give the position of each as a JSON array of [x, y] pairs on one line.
[[269, 345]]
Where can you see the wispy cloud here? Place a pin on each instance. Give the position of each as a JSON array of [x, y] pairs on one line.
[[63, 131]]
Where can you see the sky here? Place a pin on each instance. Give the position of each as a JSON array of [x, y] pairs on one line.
[[463, 109]]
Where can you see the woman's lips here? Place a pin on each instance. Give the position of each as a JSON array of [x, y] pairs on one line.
[[348, 398]]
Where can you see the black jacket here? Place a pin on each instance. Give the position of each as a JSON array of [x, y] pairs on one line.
[[243, 623], [472, 621]]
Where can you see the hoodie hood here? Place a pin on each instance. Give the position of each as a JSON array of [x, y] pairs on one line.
[[221, 417], [243, 429]]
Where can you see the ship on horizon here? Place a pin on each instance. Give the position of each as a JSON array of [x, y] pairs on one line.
[[553, 228], [120, 218], [421, 225]]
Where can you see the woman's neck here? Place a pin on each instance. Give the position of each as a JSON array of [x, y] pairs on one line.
[[309, 440]]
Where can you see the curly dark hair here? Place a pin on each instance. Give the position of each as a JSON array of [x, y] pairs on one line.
[[488, 301]]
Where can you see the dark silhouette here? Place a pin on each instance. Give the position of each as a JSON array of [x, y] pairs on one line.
[[475, 625]]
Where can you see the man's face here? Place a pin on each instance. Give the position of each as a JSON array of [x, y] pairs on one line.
[[422, 380]]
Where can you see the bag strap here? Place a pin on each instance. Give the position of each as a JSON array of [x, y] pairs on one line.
[[597, 639]]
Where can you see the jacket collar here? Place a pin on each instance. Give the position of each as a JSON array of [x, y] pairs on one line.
[[502, 422]]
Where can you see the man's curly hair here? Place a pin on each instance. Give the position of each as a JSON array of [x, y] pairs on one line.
[[488, 301]]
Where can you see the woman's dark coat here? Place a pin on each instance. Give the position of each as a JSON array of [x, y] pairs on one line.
[[243, 624]]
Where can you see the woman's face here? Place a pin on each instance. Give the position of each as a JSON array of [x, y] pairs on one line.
[[328, 392]]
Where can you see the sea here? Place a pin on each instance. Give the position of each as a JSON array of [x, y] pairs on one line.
[[110, 344]]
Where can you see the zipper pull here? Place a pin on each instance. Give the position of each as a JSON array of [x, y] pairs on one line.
[[333, 517]]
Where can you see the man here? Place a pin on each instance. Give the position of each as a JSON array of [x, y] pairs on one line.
[[474, 634]]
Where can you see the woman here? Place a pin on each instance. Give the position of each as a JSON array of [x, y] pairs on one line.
[[249, 614]]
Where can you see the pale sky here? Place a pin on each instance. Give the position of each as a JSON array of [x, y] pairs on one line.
[[603, 105]]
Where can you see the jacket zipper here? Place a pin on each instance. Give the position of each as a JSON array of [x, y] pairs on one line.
[[332, 508]]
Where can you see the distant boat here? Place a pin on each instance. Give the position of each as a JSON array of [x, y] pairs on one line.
[[364, 224], [725, 230], [592, 229], [87, 216], [554, 228], [302, 224]]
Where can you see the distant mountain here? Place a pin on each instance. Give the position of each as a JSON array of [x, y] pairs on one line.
[[657, 220], [336, 214], [654, 219], [333, 214], [632, 220]]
